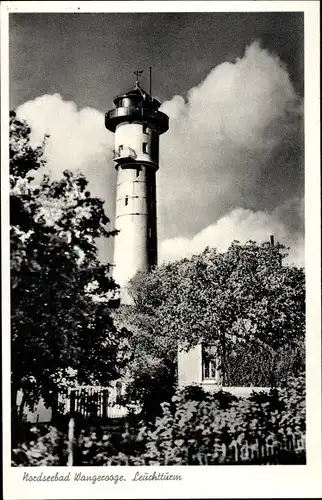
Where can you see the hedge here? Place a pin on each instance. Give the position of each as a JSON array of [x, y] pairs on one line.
[[194, 428]]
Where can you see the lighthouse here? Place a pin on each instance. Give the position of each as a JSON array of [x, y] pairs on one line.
[[137, 124]]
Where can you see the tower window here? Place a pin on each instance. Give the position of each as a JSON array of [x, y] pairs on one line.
[[126, 200], [145, 129], [145, 147]]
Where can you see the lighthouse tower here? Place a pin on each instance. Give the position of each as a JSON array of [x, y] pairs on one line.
[[137, 124]]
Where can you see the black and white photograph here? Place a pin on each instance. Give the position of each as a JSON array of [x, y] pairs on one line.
[[158, 261]]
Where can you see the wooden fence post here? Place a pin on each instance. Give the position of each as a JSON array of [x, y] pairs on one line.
[[71, 436], [105, 403]]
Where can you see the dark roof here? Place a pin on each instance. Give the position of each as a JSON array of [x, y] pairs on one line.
[[137, 91]]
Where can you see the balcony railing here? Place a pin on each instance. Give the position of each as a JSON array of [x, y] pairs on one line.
[[118, 115], [124, 153]]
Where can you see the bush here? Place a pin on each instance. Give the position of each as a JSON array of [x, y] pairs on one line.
[[42, 446], [195, 428], [148, 390], [197, 393], [203, 428]]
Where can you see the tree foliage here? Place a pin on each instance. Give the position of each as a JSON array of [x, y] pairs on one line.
[[245, 294], [61, 326], [151, 371], [242, 299]]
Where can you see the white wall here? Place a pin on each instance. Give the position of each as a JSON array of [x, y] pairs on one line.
[[131, 250], [130, 135], [190, 366]]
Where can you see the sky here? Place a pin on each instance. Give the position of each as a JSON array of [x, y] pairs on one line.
[[231, 164]]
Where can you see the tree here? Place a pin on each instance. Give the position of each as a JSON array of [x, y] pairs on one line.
[[242, 298], [61, 328], [151, 370]]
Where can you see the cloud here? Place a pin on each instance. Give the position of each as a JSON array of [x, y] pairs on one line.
[[235, 140], [78, 141], [242, 225]]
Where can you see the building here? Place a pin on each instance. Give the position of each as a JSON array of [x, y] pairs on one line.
[[137, 124]]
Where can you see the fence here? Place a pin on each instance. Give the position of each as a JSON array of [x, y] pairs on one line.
[[91, 442], [91, 402], [85, 401], [272, 450]]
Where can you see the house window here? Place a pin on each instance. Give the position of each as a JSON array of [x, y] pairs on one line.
[[126, 201], [145, 147], [208, 369], [209, 363]]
